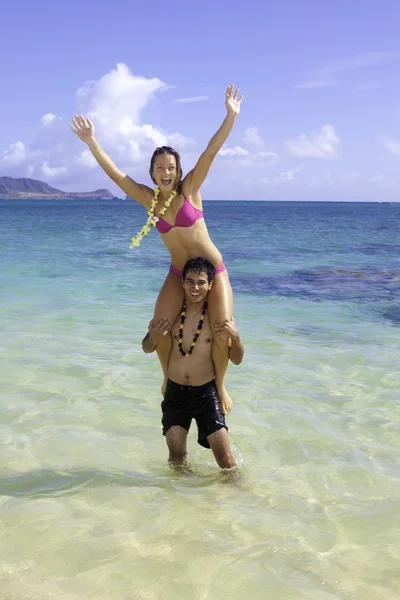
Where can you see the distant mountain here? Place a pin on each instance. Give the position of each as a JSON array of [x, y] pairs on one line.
[[14, 189]]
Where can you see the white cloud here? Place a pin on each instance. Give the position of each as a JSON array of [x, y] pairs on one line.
[[383, 183], [286, 177], [349, 178], [320, 144], [85, 159], [117, 95], [19, 160], [115, 104], [321, 181], [327, 179], [369, 85], [363, 59], [53, 171], [234, 151], [323, 77], [269, 157], [15, 154], [144, 133], [238, 156], [180, 142], [259, 159], [190, 99], [346, 179], [252, 136], [392, 145], [378, 179], [131, 149], [317, 83], [49, 118]]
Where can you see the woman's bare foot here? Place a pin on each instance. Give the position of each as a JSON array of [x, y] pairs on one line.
[[225, 399]]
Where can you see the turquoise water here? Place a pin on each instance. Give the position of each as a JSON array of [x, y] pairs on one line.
[[88, 505]]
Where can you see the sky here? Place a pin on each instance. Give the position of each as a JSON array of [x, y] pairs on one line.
[[320, 119]]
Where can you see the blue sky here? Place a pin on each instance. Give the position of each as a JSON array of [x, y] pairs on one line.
[[321, 114]]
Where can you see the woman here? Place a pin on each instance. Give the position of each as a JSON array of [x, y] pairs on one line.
[[183, 229]]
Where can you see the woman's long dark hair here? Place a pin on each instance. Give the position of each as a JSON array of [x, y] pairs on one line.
[[168, 150]]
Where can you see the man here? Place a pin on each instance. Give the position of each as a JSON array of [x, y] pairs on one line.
[[191, 391]]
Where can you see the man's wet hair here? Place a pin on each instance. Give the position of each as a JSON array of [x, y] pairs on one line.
[[199, 265]]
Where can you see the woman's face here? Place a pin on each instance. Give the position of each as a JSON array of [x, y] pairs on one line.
[[165, 172]]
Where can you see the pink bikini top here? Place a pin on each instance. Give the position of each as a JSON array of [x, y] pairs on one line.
[[186, 217]]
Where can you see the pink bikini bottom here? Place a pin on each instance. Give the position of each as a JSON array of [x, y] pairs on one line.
[[218, 269]]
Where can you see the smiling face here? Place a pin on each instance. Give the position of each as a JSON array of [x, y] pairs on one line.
[[196, 286], [164, 172]]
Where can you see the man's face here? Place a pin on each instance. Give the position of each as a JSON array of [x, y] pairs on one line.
[[196, 286]]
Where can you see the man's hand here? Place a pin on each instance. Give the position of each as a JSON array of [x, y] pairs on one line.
[[157, 330], [226, 329]]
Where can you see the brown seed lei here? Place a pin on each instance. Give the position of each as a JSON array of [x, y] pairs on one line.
[[196, 335]]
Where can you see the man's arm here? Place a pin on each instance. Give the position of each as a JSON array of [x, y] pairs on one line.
[[156, 332], [236, 352], [228, 330]]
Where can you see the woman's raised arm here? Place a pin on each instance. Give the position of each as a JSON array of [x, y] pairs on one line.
[[196, 177], [84, 129]]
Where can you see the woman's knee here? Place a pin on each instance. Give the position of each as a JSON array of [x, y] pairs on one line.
[[220, 304], [169, 299]]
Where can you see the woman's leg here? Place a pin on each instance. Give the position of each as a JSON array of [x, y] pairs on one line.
[[220, 306], [169, 303]]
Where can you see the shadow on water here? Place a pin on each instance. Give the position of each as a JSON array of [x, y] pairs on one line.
[[44, 483], [392, 315], [325, 284], [380, 249], [53, 483]]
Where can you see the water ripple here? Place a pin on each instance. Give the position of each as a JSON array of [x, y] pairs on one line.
[[43, 483]]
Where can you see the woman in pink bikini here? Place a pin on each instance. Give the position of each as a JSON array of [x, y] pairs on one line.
[[175, 209]]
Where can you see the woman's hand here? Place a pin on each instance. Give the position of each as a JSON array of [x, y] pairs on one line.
[[232, 102], [83, 128]]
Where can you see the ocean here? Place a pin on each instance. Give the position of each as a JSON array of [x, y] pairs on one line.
[[89, 507]]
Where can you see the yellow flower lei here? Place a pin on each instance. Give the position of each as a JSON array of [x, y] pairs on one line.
[[152, 220]]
